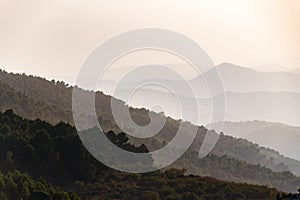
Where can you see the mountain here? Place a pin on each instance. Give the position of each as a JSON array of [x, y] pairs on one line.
[[235, 79], [55, 154], [281, 107], [29, 107], [265, 105], [271, 68], [53, 93], [242, 79], [277, 136], [250, 94]]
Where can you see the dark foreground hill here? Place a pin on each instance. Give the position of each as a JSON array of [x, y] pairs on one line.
[[55, 155]]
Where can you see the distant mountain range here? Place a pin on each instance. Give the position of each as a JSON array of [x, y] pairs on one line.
[[271, 68], [251, 95], [281, 107], [241, 79], [277, 136], [235, 79]]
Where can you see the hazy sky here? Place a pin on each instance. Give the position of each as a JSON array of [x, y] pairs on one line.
[[53, 38]]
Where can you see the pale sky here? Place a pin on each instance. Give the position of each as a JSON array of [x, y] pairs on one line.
[[53, 38]]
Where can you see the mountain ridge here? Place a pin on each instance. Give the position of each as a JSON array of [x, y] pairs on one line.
[[57, 93]]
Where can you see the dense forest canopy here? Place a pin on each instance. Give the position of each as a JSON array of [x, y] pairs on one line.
[[55, 154]]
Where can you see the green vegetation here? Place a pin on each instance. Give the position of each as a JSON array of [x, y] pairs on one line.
[[173, 184], [29, 107], [230, 169], [17, 185], [54, 154]]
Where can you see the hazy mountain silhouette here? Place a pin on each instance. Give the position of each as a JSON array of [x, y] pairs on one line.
[[271, 96], [281, 107], [272, 67], [277, 136], [242, 79], [235, 79]]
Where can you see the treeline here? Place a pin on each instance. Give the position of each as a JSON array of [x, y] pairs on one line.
[[30, 107], [17, 185], [55, 154], [171, 185], [52, 152], [230, 169]]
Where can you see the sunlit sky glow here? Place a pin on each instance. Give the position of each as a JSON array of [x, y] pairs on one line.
[[53, 38]]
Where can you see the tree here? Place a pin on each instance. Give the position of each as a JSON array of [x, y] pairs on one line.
[[40, 195], [8, 163], [11, 188], [150, 195]]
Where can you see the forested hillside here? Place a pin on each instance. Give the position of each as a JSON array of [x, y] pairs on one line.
[[55, 100], [29, 107], [54, 156], [52, 152]]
